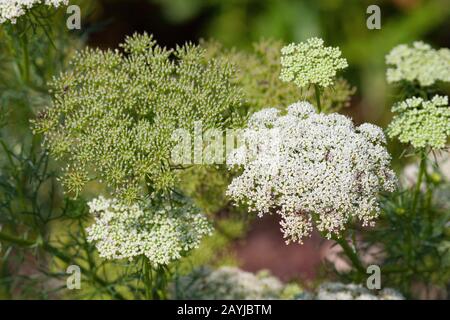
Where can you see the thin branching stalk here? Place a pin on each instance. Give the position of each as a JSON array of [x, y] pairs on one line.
[[147, 271], [422, 169], [60, 255], [350, 253], [26, 58], [317, 91]]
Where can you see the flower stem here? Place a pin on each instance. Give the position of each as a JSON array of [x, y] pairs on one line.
[[422, 169], [317, 90], [154, 281], [147, 270], [20, 242], [350, 253], [26, 58]]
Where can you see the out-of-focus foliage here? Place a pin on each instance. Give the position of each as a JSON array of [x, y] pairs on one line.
[[31, 204], [31, 52], [416, 251], [206, 185]]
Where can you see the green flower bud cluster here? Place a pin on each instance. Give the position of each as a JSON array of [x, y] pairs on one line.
[[114, 113], [311, 63], [258, 73], [419, 63], [162, 232], [422, 123]]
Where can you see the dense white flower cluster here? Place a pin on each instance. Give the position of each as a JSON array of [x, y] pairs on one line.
[[311, 63], [10, 10], [161, 233], [231, 283], [340, 291], [311, 169], [423, 123], [418, 63]]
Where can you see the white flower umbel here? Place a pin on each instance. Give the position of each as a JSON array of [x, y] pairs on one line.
[[419, 63], [10, 10], [312, 169], [340, 291], [161, 233]]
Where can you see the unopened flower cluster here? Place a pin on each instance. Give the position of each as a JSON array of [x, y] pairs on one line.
[[11, 10], [340, 291], [419, 63], [258, 74], [231, 283], [114, 113], [311, 63], [422, 123], [160, 233], [312, 169]]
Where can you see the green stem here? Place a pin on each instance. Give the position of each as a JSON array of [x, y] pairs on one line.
[[21, 242], [428, 201], [160, 292], [26, 58], [147, 270], [155, 282], [19, 177], [350, 253], [13, 52], [317, 91], [422, 169]]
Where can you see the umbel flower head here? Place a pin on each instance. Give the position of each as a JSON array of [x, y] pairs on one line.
[[422, 123], [114, 113], [312, 169], [231, 283], [340, 291], [419, 63], [311, 63], [162, 233], [11, 10], [258, 75]]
